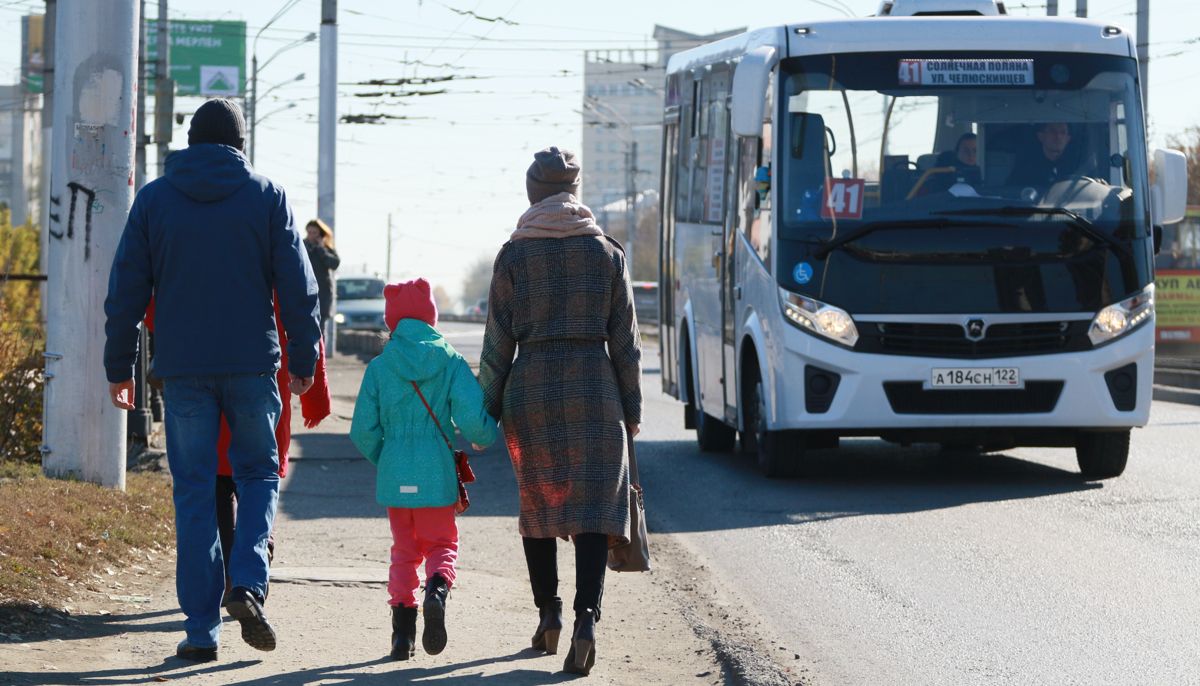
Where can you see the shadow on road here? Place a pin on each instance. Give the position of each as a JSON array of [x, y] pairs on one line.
[[160, 673], [862, 477], [412, 672], [35, 623]]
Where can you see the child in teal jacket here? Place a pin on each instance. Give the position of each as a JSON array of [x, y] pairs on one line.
[[416, 478]]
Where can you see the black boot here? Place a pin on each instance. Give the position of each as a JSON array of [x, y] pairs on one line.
[[404, 632], [549, 628], [433, 639], [582, 655]]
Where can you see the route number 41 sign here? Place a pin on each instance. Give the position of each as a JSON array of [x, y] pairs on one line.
[[843, 199]]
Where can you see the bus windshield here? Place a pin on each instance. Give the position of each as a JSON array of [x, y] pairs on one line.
[[993, 157]]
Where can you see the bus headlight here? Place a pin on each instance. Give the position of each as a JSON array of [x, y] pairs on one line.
[[339, 318], [815, 316], [1121, 318]]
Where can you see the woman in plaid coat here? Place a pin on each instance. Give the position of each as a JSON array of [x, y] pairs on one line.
[[561, 301]]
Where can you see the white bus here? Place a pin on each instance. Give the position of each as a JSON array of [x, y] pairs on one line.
[[931, 225]]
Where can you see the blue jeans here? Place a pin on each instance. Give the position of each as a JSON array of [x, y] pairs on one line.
[[194, 406]]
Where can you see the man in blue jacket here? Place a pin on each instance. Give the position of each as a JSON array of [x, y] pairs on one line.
[[213, 243]]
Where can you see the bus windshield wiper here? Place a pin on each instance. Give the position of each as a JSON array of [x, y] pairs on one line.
[[884, 225], [1077, 222]]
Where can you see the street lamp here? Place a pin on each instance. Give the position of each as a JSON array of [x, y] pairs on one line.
[[288, 106], [254, 69], [281, 84]]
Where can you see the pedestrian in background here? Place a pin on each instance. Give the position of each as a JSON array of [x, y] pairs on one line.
[[325, 261], [561, 300], [214, 242], [418, 386]]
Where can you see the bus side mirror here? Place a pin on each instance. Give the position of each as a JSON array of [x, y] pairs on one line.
[[1168, 195], [1158, 238], [750, 81]]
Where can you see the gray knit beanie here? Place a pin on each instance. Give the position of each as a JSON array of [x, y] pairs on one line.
[[218, 121], [553, 171]]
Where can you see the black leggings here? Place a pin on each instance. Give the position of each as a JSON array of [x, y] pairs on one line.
[[591, 559]]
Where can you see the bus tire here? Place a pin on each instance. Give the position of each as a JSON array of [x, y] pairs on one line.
[[1102, 455], [779, 453]]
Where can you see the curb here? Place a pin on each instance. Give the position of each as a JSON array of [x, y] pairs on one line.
[[1174, 394]]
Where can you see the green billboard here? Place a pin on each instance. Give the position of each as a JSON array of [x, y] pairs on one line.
[[207, 57]]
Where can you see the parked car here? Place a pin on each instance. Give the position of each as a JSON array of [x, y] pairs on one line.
[[645, 302], [479, 309], [360, 304]]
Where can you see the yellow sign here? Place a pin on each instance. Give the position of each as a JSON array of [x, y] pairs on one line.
[[1177, 304]]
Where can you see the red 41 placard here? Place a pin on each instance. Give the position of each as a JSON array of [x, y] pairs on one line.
[[843, 199]]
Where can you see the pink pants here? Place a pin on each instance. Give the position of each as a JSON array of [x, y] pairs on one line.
[[428, 533]]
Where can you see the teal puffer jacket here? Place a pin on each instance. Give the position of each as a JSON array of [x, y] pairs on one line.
[[392, 429]]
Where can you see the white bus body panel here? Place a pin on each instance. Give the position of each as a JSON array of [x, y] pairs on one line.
[[860, 402]]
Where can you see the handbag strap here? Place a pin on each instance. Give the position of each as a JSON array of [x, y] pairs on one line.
[[633, 470], [432, 416]]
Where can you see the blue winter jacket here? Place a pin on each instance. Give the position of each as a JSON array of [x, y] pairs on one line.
[[211, 241], [392, 429]]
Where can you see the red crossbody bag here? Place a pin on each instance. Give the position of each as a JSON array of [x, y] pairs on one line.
[[461, 466]]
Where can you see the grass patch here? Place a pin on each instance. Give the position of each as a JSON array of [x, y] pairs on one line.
[[57, 537]]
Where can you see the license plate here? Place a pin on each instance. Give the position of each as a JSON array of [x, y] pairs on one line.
[[975, 377]]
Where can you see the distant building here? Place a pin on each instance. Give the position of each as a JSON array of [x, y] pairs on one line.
[[20, 153], [622, 104]]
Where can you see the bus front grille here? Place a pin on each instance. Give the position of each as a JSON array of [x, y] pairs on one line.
[[950, 340], [910, 397]]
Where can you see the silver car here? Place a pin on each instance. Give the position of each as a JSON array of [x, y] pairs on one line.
[[360, 304]]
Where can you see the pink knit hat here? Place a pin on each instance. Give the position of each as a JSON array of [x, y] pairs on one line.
[[408, 300]]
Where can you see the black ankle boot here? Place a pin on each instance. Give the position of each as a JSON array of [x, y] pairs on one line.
[[582, 655], [404, 632], [549, 628], [433, 639]]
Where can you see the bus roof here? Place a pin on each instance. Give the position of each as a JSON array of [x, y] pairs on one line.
[[918, 34]]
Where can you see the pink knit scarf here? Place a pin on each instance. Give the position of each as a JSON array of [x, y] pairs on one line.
[[558, 216]]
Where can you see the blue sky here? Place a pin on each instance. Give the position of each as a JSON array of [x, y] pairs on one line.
[[452, 175]]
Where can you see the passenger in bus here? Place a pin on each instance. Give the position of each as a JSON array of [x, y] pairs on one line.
[[964, 158], [1048, 161]]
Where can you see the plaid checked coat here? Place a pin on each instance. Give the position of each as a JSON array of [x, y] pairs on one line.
[[565, 400]]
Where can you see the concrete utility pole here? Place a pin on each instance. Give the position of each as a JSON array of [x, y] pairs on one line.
[[47, 141], [90, 195], [1143, 52], [141, 421], [327, 115], [389, 249]]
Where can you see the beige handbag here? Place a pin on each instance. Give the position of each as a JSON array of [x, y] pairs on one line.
[[634, 555]]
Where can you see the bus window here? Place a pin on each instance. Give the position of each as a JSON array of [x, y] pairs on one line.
[[687, 145], [715, 139]]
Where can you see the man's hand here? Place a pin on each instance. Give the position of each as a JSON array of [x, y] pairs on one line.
[[299, 385], [478, 448], [121, 394], [634, 429]]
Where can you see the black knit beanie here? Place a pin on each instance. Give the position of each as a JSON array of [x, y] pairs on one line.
[[218, 121], [553, 171]]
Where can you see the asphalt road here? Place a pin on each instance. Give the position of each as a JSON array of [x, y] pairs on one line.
[[903, 566]]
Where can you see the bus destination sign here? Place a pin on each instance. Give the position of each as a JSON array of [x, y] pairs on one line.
[[966, 72]]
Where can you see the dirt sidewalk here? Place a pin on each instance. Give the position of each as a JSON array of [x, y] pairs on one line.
[[328, 599]]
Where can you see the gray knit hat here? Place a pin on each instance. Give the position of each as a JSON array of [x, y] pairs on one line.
[[218, 121], [553, 171]]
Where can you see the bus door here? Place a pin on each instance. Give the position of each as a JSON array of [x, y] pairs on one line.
[[668, 346], [729, 280]]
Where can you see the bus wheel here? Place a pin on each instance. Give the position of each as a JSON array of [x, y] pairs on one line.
[[1102, 455], [780, 453]]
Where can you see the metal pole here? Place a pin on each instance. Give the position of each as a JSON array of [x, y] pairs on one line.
[[140, 421], [253, 102], [93, 157], [163, 83], [389, 249], [631, 189], [327, 116], [1081, 8], [1143, 52]]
